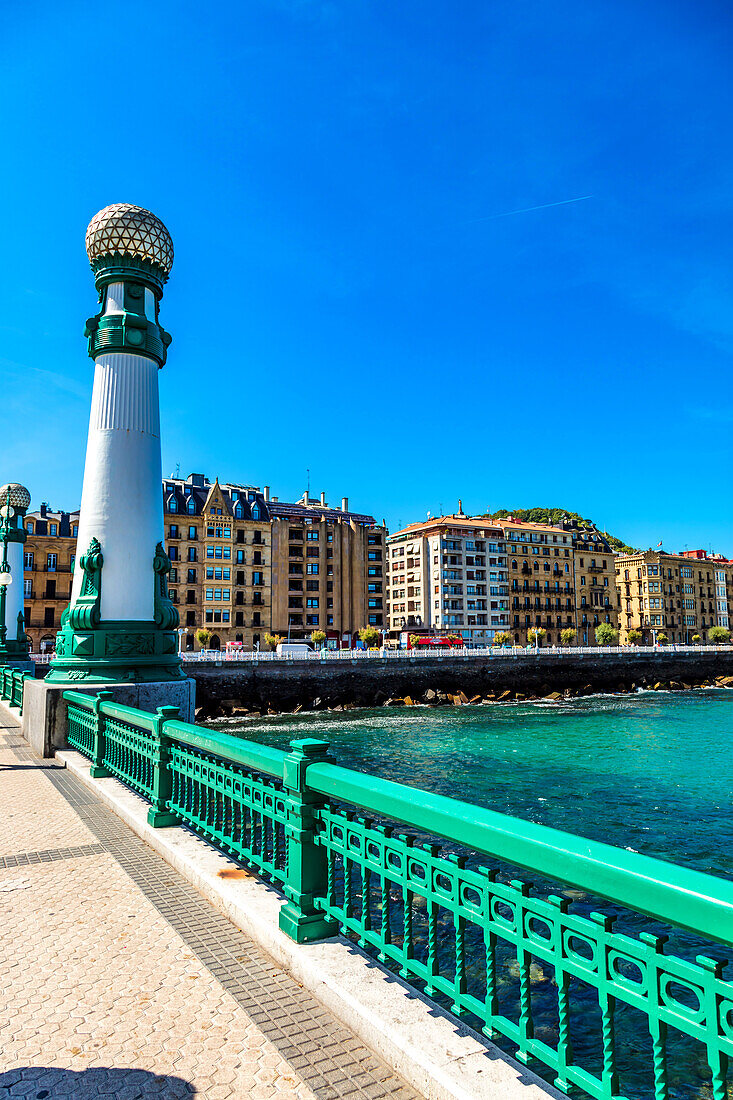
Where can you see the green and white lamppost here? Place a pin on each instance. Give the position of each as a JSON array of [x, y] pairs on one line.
[[14, 642], [120, 626]]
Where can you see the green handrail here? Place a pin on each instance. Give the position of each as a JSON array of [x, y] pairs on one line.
[[679, 896], [247, 754]]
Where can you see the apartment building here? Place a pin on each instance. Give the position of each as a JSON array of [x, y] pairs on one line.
[[561, 576], [218, 540], [448, 575], [48, 567], [328, 570], [677, 594], [235, 567]]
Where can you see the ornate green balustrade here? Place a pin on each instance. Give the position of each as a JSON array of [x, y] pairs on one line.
[[11, 686], [596, 999]]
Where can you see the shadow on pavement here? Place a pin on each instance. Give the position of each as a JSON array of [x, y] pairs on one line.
[[51, 1083]]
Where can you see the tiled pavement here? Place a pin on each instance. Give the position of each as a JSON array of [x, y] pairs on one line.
[[119, 980]]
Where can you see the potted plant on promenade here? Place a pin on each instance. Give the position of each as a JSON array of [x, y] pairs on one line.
[[535, 635], [633, 636], [203, 637], [606, 634], [568, 635], [662, 638], [718, 635], [318, 637], [695, 639], [273, 640], [502, 638]]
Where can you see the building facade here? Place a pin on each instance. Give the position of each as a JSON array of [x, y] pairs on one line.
[[243, 564], [328, 570], [48, 568], [561, 577], [448, 575], [679, 595]]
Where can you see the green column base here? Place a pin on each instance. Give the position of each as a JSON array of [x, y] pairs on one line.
[[98, 772], [161, 819], [116, 652], [306, 928]]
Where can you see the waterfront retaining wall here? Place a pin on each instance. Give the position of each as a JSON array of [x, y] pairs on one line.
[[280, 685]]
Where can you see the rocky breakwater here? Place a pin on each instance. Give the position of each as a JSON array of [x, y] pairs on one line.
[[257, 689]]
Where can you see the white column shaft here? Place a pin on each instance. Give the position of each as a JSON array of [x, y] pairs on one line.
[[14, 591], [121, 503]]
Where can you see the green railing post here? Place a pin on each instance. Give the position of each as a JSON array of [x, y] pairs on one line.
[[98, 770], [159, 814], [307, 863]]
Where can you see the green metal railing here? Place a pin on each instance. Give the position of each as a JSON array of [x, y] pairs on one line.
[[552, 976], [11, 686]]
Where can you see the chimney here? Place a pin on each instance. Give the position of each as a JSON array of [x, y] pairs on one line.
[[266, 492], [323, 500], [306, 497], [344, 504], [275, 500]]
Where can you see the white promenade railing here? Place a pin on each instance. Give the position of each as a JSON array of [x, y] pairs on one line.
[[217, 656]]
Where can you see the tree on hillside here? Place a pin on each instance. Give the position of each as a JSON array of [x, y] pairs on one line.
[[555, 516], [605, 634], [568, 635], [718, 635]]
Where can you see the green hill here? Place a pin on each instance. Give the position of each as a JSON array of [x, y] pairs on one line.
[[555, 515]]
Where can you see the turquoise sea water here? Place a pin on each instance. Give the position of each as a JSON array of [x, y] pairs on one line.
[[649, 771]]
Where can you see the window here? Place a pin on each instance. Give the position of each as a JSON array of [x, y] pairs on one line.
[[312, 601], [238, 511], [172, 504], [48, 616], [192, 553], [29, 527], [28, 560], [192, 533], [191, 506], [174, 531], [173, 553], [54, 528], [258, 578], [311, 536], [28, 588], [51, 560], [255, 511], [312, 568]]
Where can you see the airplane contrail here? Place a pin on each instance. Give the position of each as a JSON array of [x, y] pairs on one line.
[[528, 209]]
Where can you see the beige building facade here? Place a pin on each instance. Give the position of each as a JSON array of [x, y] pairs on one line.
[[328, 570], [679, 595], [48, 569], [562, 576], [243, 564], [448, 575]]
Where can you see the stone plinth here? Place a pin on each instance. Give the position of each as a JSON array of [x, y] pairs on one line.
[[44, 710]]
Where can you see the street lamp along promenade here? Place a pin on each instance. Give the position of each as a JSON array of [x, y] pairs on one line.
[[14, 642]]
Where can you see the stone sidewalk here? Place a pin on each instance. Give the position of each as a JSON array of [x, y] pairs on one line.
[[120, 980]]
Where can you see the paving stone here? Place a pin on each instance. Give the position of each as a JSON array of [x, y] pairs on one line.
[[127, 983]]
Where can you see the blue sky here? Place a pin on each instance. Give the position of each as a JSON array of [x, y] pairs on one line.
[[353, 291]]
